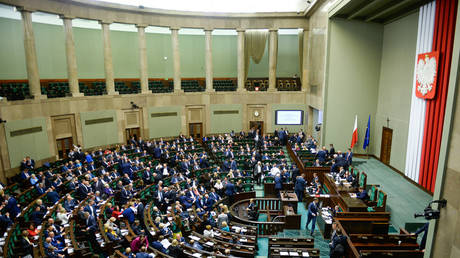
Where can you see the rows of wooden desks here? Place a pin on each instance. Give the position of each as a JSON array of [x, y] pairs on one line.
[[366, 228], [292, 247]]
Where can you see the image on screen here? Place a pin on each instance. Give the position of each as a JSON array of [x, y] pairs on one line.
[[289, 117]]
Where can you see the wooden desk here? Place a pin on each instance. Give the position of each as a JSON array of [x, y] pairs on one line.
[[269, 188], [276, 252], [289, 198], [292, 220], [353, 204], [324, 227], [307, 242]]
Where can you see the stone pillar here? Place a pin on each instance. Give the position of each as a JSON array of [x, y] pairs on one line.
[[31, 55], [208, 60], [176, 58], [108, 65], [72, 73], [305, 63], [143, 59], [273, 56], [241, 60]]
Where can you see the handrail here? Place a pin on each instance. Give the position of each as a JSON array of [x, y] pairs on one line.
[[263, 227]]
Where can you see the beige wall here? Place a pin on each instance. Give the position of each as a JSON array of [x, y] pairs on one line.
[[28, 113], [395, 86], [353, 68], [33, 144], [446, 241], [317, 40]]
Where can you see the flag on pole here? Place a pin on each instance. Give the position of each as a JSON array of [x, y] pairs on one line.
[[368, 133], [354, 138]]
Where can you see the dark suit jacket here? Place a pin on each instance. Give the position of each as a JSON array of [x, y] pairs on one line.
[[278, 183], [312, 208], [91, 224], [230, 189], [300, 184]]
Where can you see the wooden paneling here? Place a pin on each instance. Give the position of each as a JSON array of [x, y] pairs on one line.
[[385, 150]]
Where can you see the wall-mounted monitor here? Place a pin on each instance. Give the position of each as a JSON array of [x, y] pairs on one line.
[[289, 117]]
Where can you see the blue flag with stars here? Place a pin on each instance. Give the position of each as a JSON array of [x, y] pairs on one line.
[[368, 133]]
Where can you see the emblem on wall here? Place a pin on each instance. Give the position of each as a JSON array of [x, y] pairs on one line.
[[426, 74]]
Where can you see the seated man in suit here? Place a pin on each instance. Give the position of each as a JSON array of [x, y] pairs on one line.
[[338, 244], [362, 194], [37, 216]]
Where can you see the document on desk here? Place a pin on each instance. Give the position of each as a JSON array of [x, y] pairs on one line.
[[194, 238], [305, 254], [165, 243], [196, 255], [284, 253], [353, 195], [293, 254]]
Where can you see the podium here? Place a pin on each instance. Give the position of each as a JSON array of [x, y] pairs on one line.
[[289, 198]]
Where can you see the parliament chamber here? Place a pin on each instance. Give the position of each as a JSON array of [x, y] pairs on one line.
[[262, 128]]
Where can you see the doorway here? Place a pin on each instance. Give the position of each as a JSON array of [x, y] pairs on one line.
[[257, 125], [64, 146], [195, 130], [385, 148], [132, 132]]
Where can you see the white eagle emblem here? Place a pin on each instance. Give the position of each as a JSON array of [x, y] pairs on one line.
[[426, 74]]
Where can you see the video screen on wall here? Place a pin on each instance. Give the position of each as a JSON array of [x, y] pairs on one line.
[[289, 117]]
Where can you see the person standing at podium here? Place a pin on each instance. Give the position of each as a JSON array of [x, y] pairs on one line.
[[312, 214]]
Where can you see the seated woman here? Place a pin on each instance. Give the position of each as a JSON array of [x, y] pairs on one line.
[[62, 216], [253, 210], [208, 232], [175, 250], [111, 234], [33, 231], [225, 227]]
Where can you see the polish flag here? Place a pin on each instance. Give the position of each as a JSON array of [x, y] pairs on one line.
[[354, 138]]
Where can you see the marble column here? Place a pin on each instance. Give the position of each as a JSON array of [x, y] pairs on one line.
[[208, 59], [272, 61], [108, 65], [241, 60], [72, 72], [305, 62], [31, 55], [176, 58], [143, 59]]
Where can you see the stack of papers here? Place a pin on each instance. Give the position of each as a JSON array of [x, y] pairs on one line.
[[165, 243]]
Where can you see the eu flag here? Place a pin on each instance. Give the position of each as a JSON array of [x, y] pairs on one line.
[[368, 133]]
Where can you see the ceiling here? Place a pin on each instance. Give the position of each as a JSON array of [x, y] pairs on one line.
[[379, 11], [219, 6]]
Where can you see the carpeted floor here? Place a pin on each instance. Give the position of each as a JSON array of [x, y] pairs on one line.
[[403, 198]]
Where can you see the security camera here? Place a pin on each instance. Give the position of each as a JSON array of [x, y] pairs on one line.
[[429, 213], [134, 106], [2, 121]]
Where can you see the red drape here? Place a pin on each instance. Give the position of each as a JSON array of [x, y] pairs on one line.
[[443, 39]]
